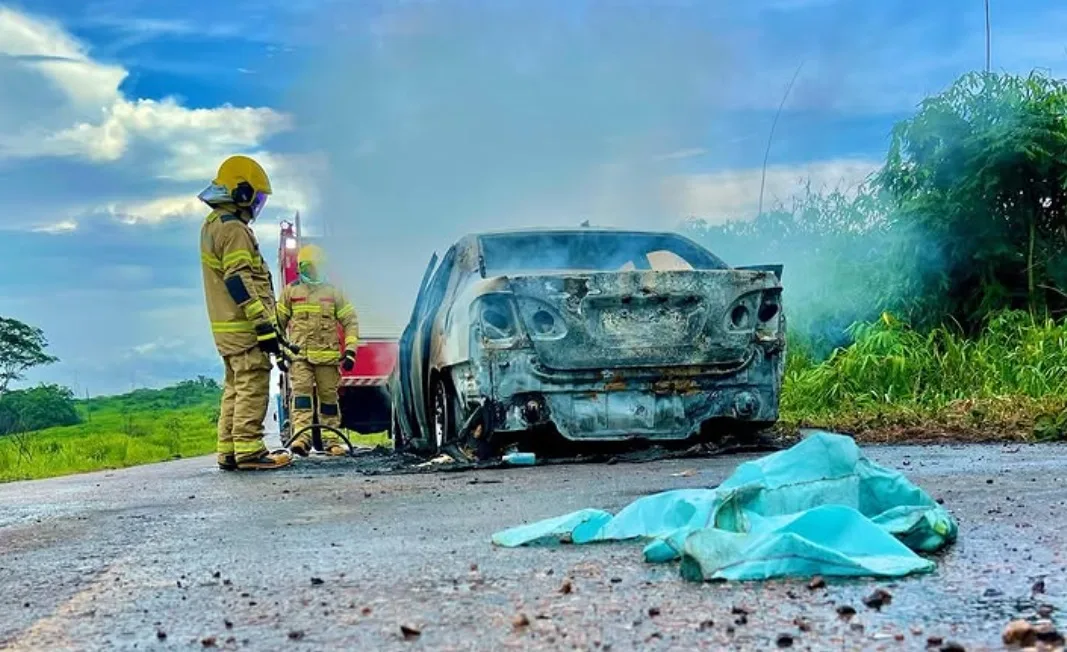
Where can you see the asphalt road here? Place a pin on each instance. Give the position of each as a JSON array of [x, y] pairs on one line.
[[179, 555]]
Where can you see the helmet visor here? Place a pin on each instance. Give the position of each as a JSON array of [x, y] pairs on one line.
[[258, 202]]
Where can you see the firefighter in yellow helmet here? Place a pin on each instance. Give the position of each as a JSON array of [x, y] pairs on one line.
[[311, 310], [240, 305]]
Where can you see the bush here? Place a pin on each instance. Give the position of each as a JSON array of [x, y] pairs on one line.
[[44, 406], [1011, 378]]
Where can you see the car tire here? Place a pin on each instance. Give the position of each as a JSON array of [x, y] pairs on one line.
[[399, 444], [442, 416]]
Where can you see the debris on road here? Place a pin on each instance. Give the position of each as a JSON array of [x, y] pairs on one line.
[[1042, 634], [817, 582], [794, 513], [440, 459], [410, 633], [520, 621], [846, 611], [878, 599], [566, 588], [520, 459], [296, 635]]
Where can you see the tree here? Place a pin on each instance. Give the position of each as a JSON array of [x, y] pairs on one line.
[[44, 406], [981, 170], [22, 347]]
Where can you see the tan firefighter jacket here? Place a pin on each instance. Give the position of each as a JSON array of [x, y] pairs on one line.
[[237, 284], [311, 314]]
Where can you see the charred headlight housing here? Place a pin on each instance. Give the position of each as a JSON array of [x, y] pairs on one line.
[[542, 321], [755, 311], [770, 306], [495, 316]]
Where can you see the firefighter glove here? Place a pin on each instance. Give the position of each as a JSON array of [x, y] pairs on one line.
[[267, 338], [349, 361]]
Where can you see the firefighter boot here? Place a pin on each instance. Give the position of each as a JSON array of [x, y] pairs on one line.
[[299, 446], [227, 463], [267, 461], [336, 450]]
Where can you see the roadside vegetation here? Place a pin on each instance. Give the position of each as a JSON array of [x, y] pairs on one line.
[[930, 301], [144, 426], [141, 427], [897, 383]]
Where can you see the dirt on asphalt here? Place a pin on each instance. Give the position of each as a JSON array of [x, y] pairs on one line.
[[320, 556]]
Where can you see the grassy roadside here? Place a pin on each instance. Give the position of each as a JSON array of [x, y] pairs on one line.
[[111, 440], [895, 384], [117, 433]]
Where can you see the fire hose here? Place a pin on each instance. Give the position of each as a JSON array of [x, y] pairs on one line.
[[291, 353]]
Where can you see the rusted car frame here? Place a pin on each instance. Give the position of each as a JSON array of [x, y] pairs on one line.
[[533, 331]]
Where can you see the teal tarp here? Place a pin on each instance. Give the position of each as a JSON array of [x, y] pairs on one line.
[[818, 508]]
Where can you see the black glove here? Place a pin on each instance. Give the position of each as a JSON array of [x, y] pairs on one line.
[[267, 338], [348, 363]]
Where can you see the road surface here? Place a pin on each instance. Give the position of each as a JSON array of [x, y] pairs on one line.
[[181, 556]]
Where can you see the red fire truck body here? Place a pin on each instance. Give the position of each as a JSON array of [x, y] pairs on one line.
[[363, 394]]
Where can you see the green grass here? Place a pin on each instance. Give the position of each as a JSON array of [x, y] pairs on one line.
[[370, 441], [1010, 382], [892, 384], [110, 440], [142, 427]]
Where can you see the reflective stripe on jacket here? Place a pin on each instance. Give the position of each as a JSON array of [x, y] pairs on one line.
[[231, 263], [310, 314]]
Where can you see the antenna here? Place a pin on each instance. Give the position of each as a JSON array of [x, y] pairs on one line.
[[770, 138], [988, 49]]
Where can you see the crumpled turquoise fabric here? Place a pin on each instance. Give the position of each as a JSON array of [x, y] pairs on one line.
[[817, 508]]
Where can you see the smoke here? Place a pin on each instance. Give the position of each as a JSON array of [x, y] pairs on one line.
[[439, 121], [847, 255]]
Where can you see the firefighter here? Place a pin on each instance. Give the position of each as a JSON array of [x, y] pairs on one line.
[[240, 305], [309, 311]]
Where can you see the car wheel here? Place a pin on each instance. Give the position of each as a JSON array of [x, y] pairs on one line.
[[443, 416], [394, 431]]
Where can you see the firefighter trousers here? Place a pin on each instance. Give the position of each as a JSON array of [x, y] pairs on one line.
[[318, 380], [244, 406]]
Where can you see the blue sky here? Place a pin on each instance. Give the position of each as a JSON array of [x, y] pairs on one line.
[[395, 127]]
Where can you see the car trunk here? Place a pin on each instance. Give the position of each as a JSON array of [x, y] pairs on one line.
[[613, 320]]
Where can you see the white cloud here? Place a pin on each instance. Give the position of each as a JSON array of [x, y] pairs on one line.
[[61, 103], [156, 210], [160, 345], [58, 228], [732, 194]]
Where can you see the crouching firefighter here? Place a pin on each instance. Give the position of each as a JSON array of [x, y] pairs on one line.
[[240, 305], [309, 311]]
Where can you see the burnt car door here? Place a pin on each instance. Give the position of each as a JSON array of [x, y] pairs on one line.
[[423, 338], [407, 409]]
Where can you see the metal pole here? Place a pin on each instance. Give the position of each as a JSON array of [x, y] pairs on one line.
[[988, 51]]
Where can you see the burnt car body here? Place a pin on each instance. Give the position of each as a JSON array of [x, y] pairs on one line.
[[594, 334]]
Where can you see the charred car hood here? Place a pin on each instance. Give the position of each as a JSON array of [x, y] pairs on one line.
[[596, 320]]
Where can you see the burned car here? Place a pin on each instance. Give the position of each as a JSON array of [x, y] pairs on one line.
[[589, 335]]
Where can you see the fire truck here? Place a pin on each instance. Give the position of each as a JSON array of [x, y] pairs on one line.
[[363, 394]]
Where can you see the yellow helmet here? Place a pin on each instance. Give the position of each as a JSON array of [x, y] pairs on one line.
[[311, 254], [240, 181], [310, 262]]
